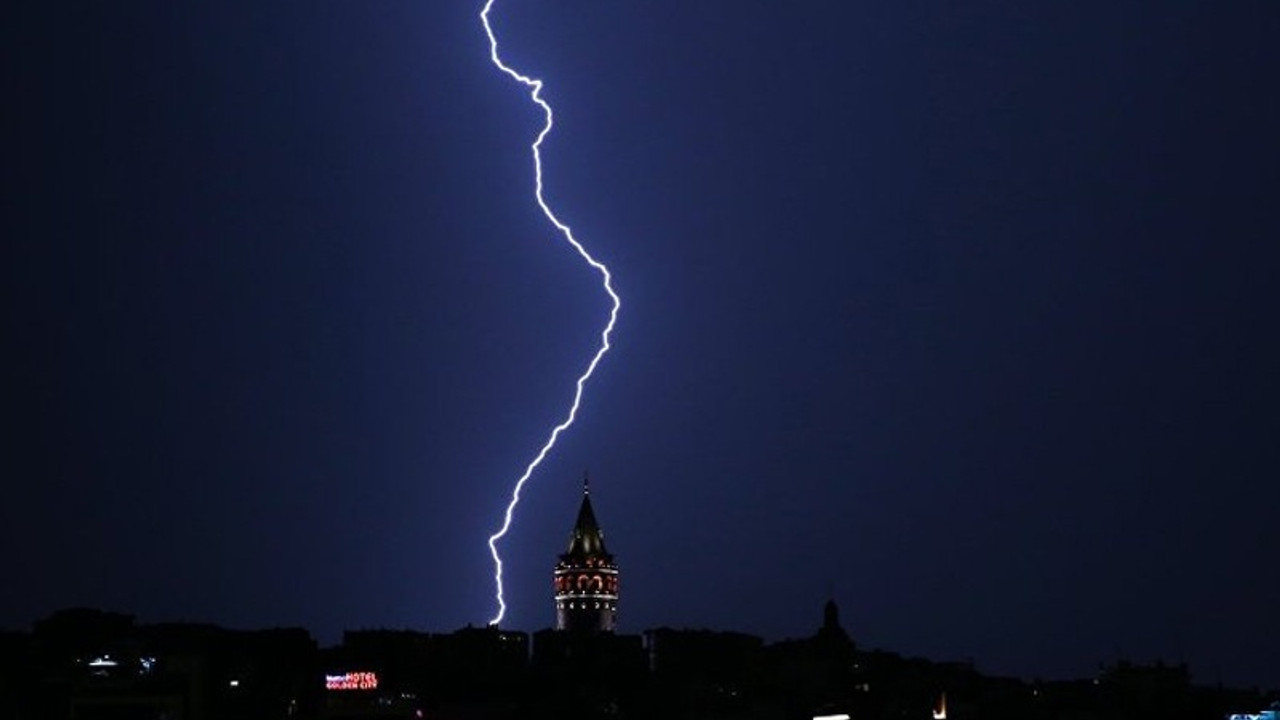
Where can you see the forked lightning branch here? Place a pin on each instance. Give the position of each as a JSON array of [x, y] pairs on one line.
[[535, 94]]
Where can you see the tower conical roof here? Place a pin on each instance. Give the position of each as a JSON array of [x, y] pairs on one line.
[[587, 537]]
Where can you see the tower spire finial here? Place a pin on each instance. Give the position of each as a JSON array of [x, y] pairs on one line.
[[586, 482]]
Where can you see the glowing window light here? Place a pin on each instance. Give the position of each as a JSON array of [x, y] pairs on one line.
[[103, 662]]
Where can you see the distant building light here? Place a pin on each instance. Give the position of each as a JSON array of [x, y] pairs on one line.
[[104, 661], [841, 716], [234, 683], [352, 681]]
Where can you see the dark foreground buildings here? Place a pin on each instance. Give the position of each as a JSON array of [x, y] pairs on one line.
[[91, 665]]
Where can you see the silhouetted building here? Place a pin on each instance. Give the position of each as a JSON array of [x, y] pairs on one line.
[[820, 673], [585, 674], [395, 673], [586, 578], [83, 664], [705, 674]]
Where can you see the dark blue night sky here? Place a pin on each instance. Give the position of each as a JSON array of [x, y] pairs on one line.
[[959, 313]]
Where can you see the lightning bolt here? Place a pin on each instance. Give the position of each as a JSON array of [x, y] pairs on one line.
[[535, 94]]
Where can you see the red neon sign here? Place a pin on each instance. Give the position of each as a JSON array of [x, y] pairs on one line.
[[351, 681]]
